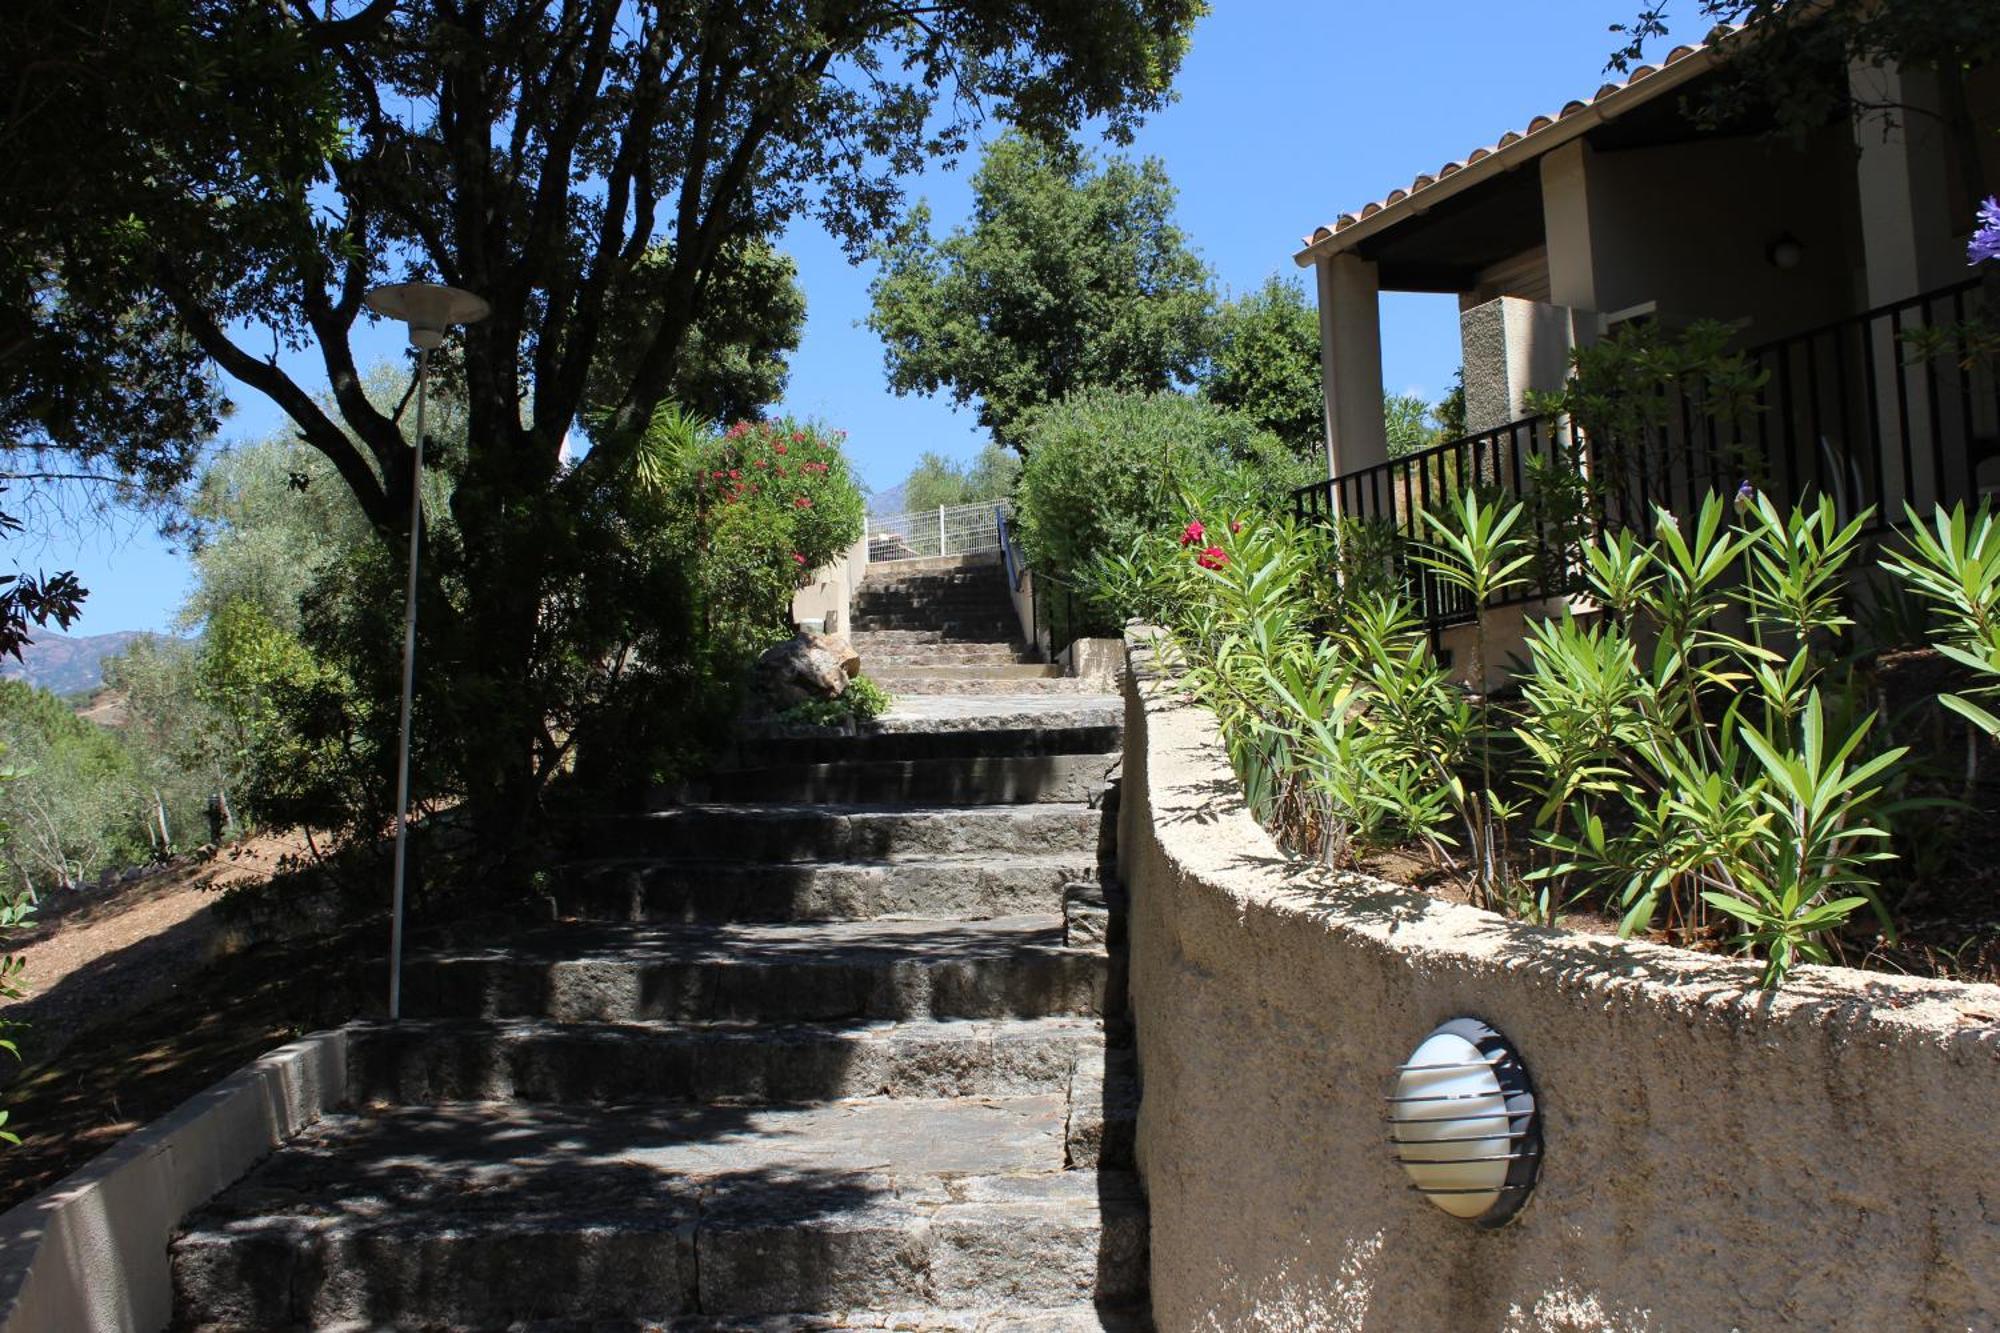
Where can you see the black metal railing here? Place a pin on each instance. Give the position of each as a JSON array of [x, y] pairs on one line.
[[1392, 497], [1051, 601], [1896, 406]]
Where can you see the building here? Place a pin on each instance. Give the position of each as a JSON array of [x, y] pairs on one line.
[[1830, 256]]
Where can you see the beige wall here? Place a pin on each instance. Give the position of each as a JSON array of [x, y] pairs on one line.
[[1688, 226], [832, 590], [1715, 1158]]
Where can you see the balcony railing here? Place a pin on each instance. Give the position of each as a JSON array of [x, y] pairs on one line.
[[1896, 406]]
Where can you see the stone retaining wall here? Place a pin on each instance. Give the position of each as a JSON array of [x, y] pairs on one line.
[[1715, 1157]]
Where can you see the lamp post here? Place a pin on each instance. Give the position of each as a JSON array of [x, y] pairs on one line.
[[427, 310]]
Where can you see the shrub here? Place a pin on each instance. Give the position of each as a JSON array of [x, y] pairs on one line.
[[1721, 770], [863, 699], [1105, 469]]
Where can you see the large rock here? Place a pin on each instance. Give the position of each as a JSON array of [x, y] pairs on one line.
[[799, 669], [850, 661]]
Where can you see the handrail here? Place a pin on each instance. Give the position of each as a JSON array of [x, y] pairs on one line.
[[1018, 573]]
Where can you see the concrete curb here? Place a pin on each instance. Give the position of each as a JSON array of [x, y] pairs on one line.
[[91, 1252]]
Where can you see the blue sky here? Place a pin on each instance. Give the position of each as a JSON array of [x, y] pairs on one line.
[[1289, 113]]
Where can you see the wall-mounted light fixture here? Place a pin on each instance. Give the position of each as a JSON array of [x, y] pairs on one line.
[[1464, 1123], [1786, 253]]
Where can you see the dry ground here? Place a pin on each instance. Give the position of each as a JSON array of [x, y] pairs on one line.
[[136, 1003]]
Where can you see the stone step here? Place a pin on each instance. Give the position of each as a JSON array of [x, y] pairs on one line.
[[923, 682], [920, 609], [412, 1063], [482, 1215], [819, 972], [889, 676], [804, 832], [1001, 780], [968, 628], [1089, 728], [867, 641], [902, 657], [715, 892]]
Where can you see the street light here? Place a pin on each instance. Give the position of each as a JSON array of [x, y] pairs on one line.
[[428, 310]]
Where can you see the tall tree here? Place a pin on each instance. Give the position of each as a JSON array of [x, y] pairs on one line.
[[538, 154], [1266, 364], [1072, 275], [736, 358], [937, 481]]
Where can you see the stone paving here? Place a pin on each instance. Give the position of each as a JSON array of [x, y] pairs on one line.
[[790, 1062]]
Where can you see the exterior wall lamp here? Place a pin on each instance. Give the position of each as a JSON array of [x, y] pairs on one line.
[[1464, 1123], [1786, 253]]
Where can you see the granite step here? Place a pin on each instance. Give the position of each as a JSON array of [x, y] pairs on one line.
[[954, 781], [824, 832], [890, 676], [1092, 727], [928, 888], [919, 681], [489, 1215], [975, 629], [865, 641], [526, 1060], [897, 657], [819, 972]]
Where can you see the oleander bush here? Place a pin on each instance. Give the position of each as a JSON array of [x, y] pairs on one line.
[[1702, 755]]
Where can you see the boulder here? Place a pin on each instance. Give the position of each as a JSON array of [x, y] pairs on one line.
[[850, 661], [797, 670]]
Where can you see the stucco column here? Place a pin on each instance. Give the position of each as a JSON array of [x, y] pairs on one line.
[[1566, 223], [1904, 190], [1350, 349]]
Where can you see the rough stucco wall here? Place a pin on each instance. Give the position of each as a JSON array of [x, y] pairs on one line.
[[1716, 1158]]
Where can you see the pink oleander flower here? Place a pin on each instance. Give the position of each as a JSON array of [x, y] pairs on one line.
[[1193, 532], [802, 502], [1213, 558], [1235, 526], [798, 559]]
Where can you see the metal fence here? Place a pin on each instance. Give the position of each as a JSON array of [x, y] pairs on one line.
[[1898, 405], [947, 530]]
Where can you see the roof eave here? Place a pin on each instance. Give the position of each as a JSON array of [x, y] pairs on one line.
[[1455, 178]]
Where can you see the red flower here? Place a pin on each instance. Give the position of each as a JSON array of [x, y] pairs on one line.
[[1193, 532], [1213, 558], [781, 469], [803, 502], [779, 447], [734, 474], [1235, 525], [763, 462], [716, 475], [798, 437], [798, 559]]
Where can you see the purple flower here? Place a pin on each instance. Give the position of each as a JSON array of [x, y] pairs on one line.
[[1986, 236], [1746, 495]]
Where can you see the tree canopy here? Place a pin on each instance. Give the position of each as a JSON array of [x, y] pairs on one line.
[[938, 482], [1072, 275], [576, 164], [1266, 364]]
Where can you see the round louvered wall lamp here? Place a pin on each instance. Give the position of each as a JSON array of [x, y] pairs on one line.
[[1464, 1123]]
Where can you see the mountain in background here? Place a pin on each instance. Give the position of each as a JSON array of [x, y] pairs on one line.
[[67, 663], [883, 503]]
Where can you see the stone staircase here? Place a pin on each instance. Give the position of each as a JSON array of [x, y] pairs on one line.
[[948, 627], [840, 1045]]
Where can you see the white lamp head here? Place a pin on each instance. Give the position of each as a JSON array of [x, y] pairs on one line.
[[428, 308], [1464, 1123]]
